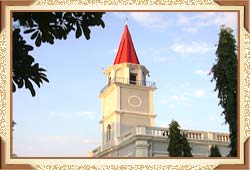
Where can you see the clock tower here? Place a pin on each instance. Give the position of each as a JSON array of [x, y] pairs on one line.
[[127, 99]]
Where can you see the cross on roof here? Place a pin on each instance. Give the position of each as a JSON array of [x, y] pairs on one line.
[[126, 20]]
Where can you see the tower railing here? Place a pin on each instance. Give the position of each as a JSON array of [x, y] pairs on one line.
[[128, 81]]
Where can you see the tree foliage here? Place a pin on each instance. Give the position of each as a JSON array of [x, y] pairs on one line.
[[224, 72], [44, 27], [178, 144], [174, 147], [186, 147], [214, 151], [24, 68]]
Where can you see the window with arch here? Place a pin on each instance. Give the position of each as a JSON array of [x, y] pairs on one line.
[[109, 82], [132, 76], [108, 132]]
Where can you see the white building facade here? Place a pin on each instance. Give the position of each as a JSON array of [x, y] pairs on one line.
[[128, 118]]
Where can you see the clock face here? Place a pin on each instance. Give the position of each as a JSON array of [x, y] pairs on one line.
[[134, 101]]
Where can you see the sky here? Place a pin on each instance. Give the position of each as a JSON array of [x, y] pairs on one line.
[[178, 49]]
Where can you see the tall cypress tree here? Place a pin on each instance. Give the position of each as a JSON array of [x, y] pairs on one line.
[[175, 138], [214, 151], [178, 144], [186, 147], [225, 74]]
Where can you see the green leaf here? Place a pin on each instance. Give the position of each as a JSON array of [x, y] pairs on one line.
[[45, 79], [29, 86], [102, 24], [36, 80], [34, 35], [86, 32], [29, 48], [29, 31], [20, 84], [13, 87], [224, 72], [41, 69], [36, 66], [78, 31], [45, 27], [38, 41]]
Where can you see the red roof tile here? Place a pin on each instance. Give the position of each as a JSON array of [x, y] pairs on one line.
[[126, 51]]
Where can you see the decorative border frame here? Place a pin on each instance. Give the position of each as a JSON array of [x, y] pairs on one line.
[[6, 162]]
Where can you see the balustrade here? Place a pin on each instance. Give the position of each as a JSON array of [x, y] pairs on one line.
[[224, 138], [161, 132], [158, 132], [127, 81]]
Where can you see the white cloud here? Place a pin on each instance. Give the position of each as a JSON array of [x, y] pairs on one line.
[[156, 54], [90, 141], [149, 19], [181, 97], [162, 59], [171, 106], [30, 148], [199, 93], [193, 47], [178, 97], [89, 114], [56, 139], [228, 19], [182, 19], [190, 24], [184, 97], [201, 72], [190, 29], [201, 20], [86, 113], [120, 14]]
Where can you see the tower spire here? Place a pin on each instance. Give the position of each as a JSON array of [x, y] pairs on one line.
[[126, 51]]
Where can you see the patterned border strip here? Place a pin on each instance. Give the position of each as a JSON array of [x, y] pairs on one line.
[[125, 167], [247, 83], [124, 2], [3, 83], [3, 79]]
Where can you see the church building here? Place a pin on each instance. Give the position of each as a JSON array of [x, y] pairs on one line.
[[128, 117]]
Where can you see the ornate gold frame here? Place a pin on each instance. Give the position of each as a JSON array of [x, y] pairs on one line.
[[241, 162]]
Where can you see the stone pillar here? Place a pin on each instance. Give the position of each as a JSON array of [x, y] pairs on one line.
[[142, 148]]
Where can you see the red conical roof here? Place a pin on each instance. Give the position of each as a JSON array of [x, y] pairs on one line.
[[126, 52]]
